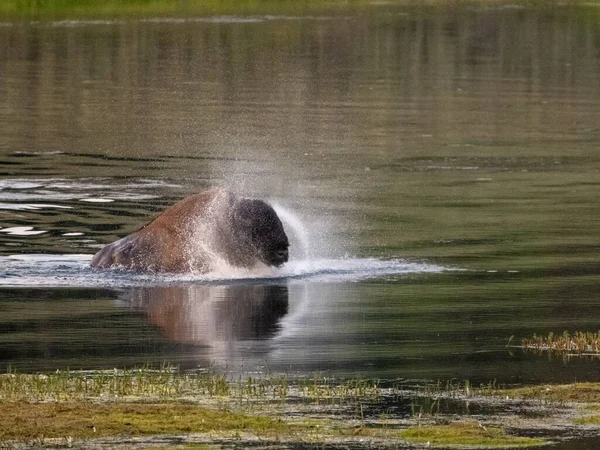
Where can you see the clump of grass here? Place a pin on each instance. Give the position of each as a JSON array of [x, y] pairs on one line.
[[319, 390], [579, 343], [63, 385], [457, 390], [451, 389], [560, 393], [330, 390], [467, 434], [169, 383], [588, 420]]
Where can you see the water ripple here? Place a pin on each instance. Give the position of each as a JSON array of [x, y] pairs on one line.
[[83, 189], [21, 231]]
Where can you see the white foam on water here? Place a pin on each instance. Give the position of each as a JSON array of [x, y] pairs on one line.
[[74, 270], [34, 270], [299, 231], [349, 269]]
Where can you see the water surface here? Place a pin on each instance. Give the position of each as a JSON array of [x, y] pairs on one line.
[[440, 163]]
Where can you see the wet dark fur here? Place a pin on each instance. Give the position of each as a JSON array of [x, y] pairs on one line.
[[241, 231]]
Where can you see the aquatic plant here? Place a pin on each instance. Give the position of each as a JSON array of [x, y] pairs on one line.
[[162, 382], [169, 383], [579, 343]]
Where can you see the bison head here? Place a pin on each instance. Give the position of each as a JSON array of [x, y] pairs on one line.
[[258, 225]]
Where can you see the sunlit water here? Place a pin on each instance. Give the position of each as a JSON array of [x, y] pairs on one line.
[[436, 171]]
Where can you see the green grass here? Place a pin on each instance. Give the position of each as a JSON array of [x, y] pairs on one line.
[[168, 383], [24, 421], [98, 9], [165, 401], [560, 393], [588, 420], [55, 9], [162, 383], [467, 434]]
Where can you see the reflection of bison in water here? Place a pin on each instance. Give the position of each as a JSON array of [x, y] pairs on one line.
[[207, 314], [200, 232]]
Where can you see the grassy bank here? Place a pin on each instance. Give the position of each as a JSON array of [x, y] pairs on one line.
[[108, 408], [152, 406], [208, 410], [26, 421], [104, 9], [88, 9]]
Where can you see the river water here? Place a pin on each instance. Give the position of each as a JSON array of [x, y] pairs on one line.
[[437, 167]]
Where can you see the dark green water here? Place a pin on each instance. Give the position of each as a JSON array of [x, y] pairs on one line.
[[424, 139]]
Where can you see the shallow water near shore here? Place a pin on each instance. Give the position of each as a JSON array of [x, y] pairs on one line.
[[438, 168]]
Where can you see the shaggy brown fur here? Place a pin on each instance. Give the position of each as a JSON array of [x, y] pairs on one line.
[[199, 231]]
